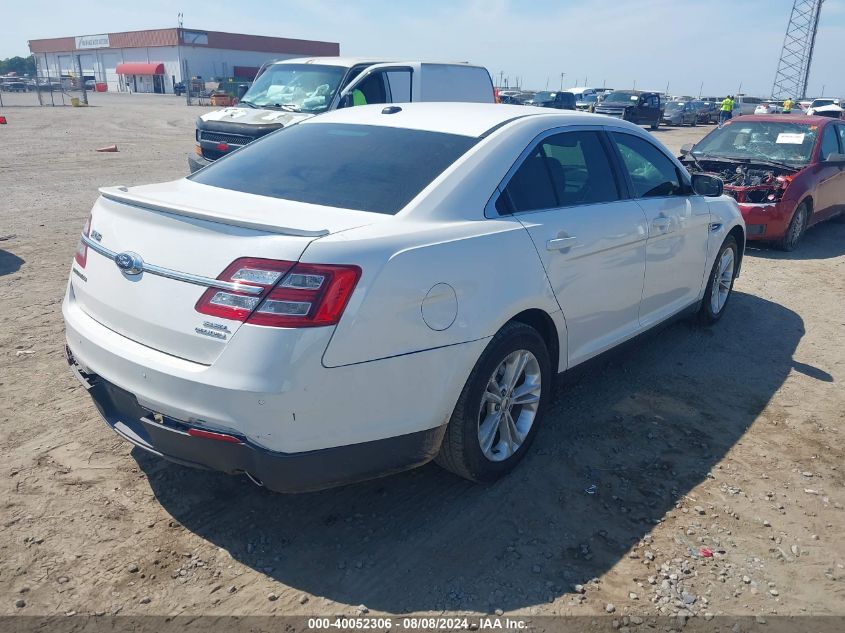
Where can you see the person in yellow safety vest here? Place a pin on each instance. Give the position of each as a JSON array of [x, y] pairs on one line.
[[358, 98], [727, 110], [787, 106]]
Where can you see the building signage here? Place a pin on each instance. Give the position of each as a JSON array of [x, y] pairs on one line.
[[92, 41]]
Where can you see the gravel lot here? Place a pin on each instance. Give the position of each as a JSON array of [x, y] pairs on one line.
[[726, 440]]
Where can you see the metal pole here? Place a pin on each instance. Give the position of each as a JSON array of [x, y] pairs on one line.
[[700, 89], [179, 48], [810, 53], [189, 84], [82, 79], [49, 83]]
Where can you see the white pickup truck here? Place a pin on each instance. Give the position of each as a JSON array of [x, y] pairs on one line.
[[290, 91]]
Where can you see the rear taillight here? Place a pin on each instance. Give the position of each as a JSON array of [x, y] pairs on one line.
[[292, 295], [238, 305], [81, 256], [310, 295]]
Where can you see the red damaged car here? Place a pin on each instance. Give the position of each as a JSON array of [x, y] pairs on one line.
[[786, 172]]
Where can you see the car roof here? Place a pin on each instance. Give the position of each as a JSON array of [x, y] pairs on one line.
[[349, 62], [346, 62], [465, 119]]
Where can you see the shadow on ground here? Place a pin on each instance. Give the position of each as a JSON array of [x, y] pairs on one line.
[[822, 241], [9, 263], [640, 428]]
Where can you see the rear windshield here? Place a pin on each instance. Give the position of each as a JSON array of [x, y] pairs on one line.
[[361, 167]]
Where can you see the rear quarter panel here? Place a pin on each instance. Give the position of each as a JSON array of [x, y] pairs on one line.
[[490, 263]]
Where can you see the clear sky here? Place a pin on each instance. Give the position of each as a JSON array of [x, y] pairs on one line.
[[653, 42]]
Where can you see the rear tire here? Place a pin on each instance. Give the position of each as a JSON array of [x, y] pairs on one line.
[[795, 230], [480, 444], [720, 284]]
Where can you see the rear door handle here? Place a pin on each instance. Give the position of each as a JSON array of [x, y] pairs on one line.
[[560, 243], [661, 223]]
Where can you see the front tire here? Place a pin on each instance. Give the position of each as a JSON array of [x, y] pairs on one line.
[[501, 406], [721, 283], [795, 230]]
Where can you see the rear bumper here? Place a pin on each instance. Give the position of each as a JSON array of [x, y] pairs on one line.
[[280, 472], [271, 389]]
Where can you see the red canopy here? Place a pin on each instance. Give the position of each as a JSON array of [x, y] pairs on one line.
[[140, 68]]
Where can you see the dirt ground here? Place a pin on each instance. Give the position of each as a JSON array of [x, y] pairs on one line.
[[693, 441]]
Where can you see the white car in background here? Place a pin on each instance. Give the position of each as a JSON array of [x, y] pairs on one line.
[[379, 286], [823, 102], [769, 107]]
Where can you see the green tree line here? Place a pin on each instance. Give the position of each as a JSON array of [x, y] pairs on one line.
[[19, 65]]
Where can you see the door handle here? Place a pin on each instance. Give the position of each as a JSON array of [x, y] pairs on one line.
[[661, 223], [560, 243]]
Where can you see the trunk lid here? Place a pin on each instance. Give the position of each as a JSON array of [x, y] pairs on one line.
[[194, 231]]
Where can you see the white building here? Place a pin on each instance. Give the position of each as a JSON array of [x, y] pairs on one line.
[[152, 61]]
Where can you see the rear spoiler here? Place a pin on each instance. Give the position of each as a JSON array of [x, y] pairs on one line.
[[122, 195]]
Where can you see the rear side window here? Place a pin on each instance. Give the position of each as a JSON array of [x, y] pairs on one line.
[[579, 168], [361, 167], [652, 173], [564, 170]]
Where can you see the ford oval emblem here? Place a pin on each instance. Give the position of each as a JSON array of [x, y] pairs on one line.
[[130, 263]]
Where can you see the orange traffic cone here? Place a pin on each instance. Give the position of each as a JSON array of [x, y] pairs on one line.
[[3, 120], [108, 148]]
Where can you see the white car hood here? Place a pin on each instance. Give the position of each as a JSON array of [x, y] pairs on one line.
[[252, 116]]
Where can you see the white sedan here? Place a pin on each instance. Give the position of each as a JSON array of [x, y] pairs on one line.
[[769, 107], [379, 286]]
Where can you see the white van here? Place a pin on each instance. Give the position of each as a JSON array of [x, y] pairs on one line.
[[581, 91], [290, 91]]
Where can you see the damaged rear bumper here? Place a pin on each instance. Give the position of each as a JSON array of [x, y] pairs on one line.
[[190, 445]]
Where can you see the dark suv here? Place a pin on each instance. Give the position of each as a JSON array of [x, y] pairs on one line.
[[642, 108], [559, 100]]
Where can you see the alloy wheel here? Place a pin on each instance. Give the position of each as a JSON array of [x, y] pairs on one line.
[[509, 405], [796, 227], [722, 282]]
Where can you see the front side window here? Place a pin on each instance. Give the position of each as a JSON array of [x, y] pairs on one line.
[[360, 167], [567, 169], [830, 144], [651, 171]]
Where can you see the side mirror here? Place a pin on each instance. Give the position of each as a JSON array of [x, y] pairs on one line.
[[686, 149], [345, 101], [835, 158], [708, 186]]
